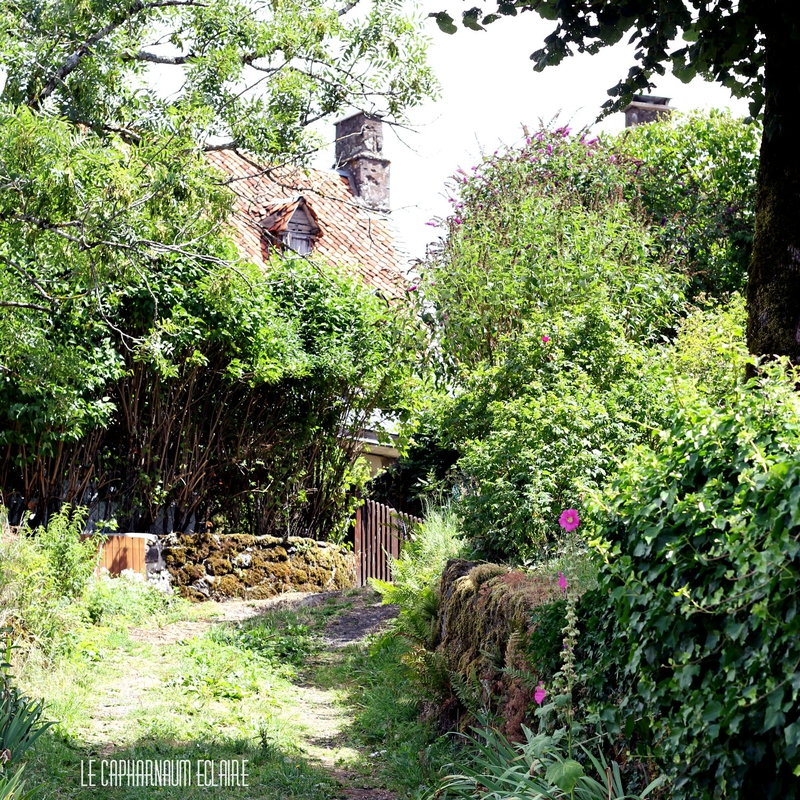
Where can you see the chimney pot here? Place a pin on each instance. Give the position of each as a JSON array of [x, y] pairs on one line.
[[359, 153], [646, 108]]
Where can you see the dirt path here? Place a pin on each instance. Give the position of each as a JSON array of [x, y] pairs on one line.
[[318, 714]]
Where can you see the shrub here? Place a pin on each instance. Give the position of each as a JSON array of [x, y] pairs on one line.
[[695, 175], [129, 597], [42, 576], [416, 573], [69, 561], [700, 537], [554, 299], [546, 424]]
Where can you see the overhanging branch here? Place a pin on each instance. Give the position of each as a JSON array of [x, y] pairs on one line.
[[70, 64]]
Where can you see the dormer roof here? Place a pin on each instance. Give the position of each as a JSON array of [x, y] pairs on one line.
[[297, 213]]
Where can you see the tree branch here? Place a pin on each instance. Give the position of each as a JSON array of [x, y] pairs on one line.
[[349, 6], [72, 61], [154, 58], [213, 148], [28, 277], [34, 306]]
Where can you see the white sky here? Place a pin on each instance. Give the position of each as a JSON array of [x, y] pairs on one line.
[[488, 90]]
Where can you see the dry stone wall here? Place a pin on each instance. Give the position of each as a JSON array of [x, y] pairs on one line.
[[207, 566], [483, 626]]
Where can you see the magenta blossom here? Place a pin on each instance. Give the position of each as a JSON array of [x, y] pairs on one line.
[[412, 288], [457, 220], [562, 582], [569, 519], [432, 224], [545, 339], [540, 694]]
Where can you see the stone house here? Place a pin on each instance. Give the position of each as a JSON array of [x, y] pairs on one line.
[[341, 216]]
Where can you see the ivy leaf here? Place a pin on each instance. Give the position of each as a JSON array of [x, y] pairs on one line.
[[444, 21]]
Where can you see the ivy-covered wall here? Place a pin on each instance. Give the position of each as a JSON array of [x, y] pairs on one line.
[[207, 566]]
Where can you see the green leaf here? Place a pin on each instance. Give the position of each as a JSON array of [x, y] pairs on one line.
[[470, 19], [444, 21], [564, 774]]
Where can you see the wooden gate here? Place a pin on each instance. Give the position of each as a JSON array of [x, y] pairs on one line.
[[380, 531]]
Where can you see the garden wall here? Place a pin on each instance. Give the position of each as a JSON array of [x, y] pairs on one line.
[[206, 566], [483, 626]]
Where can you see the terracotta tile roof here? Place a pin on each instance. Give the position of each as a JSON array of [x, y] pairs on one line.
[[351, 237]]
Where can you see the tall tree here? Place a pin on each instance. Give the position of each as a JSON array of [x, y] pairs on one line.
[[144, 367], [749, 46], [244, 73]]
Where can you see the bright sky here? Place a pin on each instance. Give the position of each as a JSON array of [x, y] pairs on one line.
[[489, 89]]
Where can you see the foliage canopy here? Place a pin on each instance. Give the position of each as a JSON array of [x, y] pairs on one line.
[[144, 368], [555, 301]]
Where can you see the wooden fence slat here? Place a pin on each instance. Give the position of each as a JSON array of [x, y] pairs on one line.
[[380, 531]]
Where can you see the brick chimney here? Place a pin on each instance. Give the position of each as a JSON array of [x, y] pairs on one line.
[[359, 153], [646, 108]]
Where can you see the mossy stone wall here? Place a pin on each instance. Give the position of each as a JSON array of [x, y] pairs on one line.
[[207, 566], [483, 626]]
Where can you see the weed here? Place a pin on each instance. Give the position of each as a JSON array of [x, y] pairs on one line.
[[129, 597]]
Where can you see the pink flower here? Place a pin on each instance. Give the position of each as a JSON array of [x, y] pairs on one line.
[[549, 149], [412, 288], [457, 220], [540, 694], [569, 519], [562, 582], [432, 224], [545, 339]]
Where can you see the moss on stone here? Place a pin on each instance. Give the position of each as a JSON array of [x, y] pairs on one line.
[[483, 624], [240, 565]]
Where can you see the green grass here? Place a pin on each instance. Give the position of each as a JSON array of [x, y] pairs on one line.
[[221, 696], [401, 751], [231, 693]]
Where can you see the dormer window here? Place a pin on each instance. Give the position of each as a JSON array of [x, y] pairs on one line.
[[294, 224], [300, 232]]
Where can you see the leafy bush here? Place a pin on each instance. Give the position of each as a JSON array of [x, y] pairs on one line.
[[695, 174], [416, 573], [69, 560], [129, 597], [709, 354], [544, 426], [43, 575], [527, 248], [700, 537], [557, 303]]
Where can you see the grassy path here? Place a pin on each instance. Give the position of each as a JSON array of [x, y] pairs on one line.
[[266, 682]]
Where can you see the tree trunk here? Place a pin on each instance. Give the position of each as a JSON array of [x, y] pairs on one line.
[[773, 289]]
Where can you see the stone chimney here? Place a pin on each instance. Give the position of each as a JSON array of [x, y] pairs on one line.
[[359, 153], [646, 108]]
